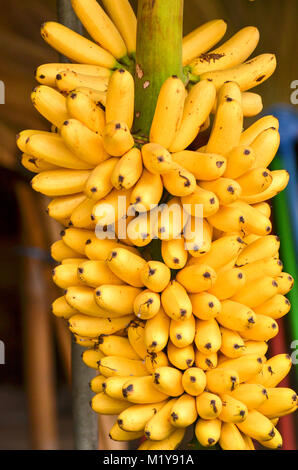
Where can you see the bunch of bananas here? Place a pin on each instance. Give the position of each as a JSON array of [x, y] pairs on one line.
[[179, 336]]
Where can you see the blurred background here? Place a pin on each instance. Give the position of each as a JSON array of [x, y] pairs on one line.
[[35, 399]]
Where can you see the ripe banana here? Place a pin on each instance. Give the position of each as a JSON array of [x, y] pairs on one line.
[[50, 104], [194, 381], [280, 179], [285, 283], [103, 404], [92, 327], [205, 305], [208, 336], [91, 357], [62, 207], [198, 236], [184, 412], [96, 383], [274, 371], [61, 309], [60, 251], [196, 278], [46, 74], [231, 438], [174, 253], [68, 82], [76, 47], [99, 182], [168, 380], [157, 159], [135, 418], [120, 98], [208, 432], [125, 20], [256, 292], [81, 217], [236, 316], [111, 343], [110, 209], [117, 138], [141, 390], [155, 275], [156, 332], [257, 426], [226, 189], [155, 360], [99, 249], [176, 302], [116, 299], [209, 405], [147, 192], [232, 345], [136, 337], [112, 386], [206, 361], [93, 273], [60, 182], [233, 410], [201, 198], [77, 238], [182, 333], [280, 402], [182, 358], [239, 160], [168, 112], [117, 434], [111, 366], [264, 329], [65, 276], [128, 170], [261, 248], [179, 181], [146, 305], [252, 132], [203, 166], [276, 307], [228, 283], [126, 266], [159, 426], [36, 165], [221, 381]]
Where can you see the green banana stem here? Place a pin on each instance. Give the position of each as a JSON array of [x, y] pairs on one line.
[[158, 55]]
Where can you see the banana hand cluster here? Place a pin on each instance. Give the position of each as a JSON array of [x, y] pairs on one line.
[[182, 340]]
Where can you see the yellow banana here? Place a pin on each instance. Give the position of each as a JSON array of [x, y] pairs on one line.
[[226, 189], [184, 412], [46, 73], [232, 345], [60, 251], [255, 347], [206, 361], [139, 229], [222, 380], [247, 75], [61, 309], [256, 292], [136, 337], [168, 112], [36, 165], [252, 395], [182, 333], [255, 181], [222, 251], [246, 366], [92, 327], [117, 138], [202, 39], [81, 217], [146, 305], [91, 357], [254, 221], [274, 371], [194, 381], [99, 249], [251, 133], [263, 247], [82, 108], [159, 426], [239, 160], [157, 159], [62, 207], [176, 302], [99, 182], [264, 329], [125, 20], [112, 386], [203, 166], [82, 299], [285, 283], [111, 343], [156, 332], [174, 253], [100, 27], [155, 360], [182, 358], [111, 366], [252, 104], [233, 410], [231, 438], [99, 97], [168, 380], [128, 170], [83, 143], [229, 219], [52, 149], [257, 426], [209, 405], [179, 181], [265, 147], [111, 208], [275, 443], [50, 104], [197, 108], [22, 137], [155, 275], [76, 47], [208, 336], [170, 220], [208, 432], [147, 192], [77, 238], [116, 299], [65, 276], [93, 273], [196, 278], [203, 198], [126, 265], [135, 418], [280, 401], [120, 98], [228, 283], [60, 182], [103, 404], [236, 316], [233, 52], [197, 242], [271, 266], [141, 390], [96, 383], [276, 307], [279, 183], [205, 306], [170, 443], [117, 434], [228, 124]]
